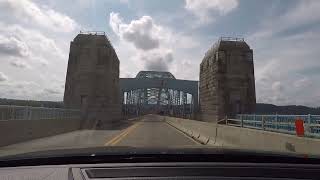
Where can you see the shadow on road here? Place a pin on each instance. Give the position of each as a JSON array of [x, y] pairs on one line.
[[123, 124], [116, 125]]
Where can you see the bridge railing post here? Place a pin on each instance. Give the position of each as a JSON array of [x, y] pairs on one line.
[[277, 127], [308, 126], [27, 113], [263, 123], [2, 113], [12, 113], [241, 118], [30, 113]]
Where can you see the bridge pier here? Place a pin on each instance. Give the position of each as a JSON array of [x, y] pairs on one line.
[[227, 85], [92, 82]]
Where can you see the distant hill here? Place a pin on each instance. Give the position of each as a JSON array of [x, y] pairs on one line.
[[261, 108], [290, 109], [16, 102]]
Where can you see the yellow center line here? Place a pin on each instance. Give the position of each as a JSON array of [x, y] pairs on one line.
[[125, 134], [119, 137]]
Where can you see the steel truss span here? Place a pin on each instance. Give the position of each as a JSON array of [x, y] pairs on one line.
[[159, 92]]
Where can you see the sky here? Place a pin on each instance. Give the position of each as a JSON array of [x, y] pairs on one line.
[[166, 35]]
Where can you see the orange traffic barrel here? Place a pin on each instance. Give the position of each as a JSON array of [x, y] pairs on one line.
[[299, 127]]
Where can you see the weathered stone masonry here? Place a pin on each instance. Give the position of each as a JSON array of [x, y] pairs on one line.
[[92, 81], [227, 84]]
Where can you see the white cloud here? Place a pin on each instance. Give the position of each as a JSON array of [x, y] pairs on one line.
[[34, 38], [29, 12], [124, 1], [3, 77], [186, 69], [23, 43], [20, 64], [157, 61], [53, 91], [283, 60], [152, 51], [20, 90], [31, 90], [206, 9], [148, 45], [280, 76], [143, 33], [303, 14], [302, 83], [12, 46], [276, 86]]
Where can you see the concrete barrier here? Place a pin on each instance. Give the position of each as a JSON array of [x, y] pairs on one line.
[[15, 131], [203, 139], [197, 136], [244, 138]]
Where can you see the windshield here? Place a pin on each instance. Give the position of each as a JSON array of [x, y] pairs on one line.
[[160, 74]]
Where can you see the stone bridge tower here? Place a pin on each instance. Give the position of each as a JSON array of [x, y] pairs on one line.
[[92, 81], [227, 84]]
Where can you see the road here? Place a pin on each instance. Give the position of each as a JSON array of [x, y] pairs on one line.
[[152, 133], [139, 133]]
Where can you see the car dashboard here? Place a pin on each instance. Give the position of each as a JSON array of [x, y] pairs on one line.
[[185, 170], [129, 163]]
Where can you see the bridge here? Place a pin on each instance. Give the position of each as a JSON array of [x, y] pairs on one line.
[[155, 109], [47, 132], [159, 92]]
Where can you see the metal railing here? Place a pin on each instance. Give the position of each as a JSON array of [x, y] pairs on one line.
[[36, 113], [278, 123]]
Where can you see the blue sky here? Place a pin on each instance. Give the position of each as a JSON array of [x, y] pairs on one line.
[[162, 35]]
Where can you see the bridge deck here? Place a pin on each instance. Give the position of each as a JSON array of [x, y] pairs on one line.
[[144, 133]]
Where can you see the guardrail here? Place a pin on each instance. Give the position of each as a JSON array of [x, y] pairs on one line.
[[278, 123], [36, 113]]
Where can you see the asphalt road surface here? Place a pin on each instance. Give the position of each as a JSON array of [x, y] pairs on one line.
[[152, 133], [141, 133]]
